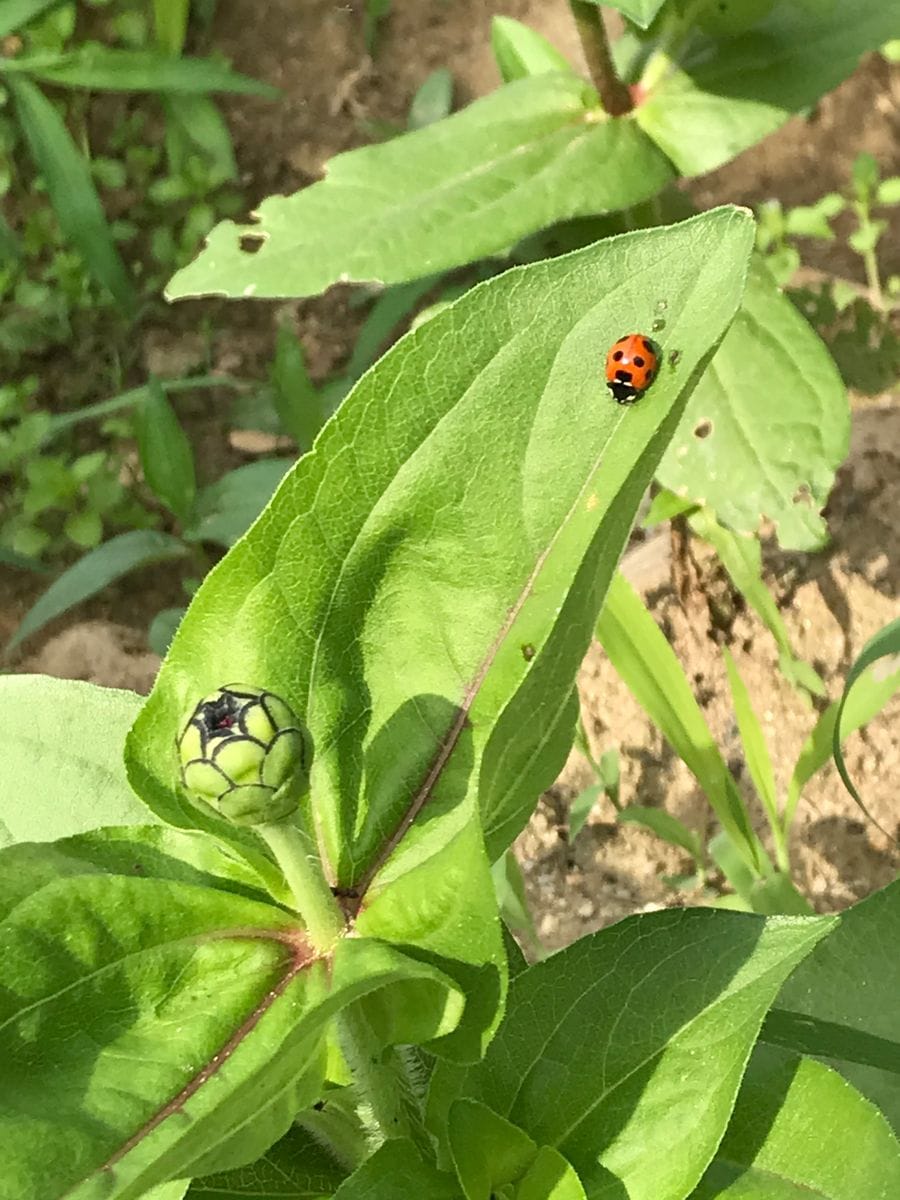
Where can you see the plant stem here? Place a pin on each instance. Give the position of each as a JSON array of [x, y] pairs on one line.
[[296, 855], [870, 258], [613, 93], [339, 1131], [381, 1079]]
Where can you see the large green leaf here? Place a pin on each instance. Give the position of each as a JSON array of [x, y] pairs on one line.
[[534, 152], [767, 426], [122, 554], [841, 1005], [178, 1029], [798, 1131], [732, 93], [380, 594], [640, 1034], [104, 68], [61, 768], [396, 1171], [70, 188]]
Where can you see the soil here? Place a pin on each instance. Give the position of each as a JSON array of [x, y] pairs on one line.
[[832, 602]]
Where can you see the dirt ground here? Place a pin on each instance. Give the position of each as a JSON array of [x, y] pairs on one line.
[[832, 602]]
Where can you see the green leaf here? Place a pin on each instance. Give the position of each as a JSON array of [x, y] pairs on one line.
[[61, 768], [391, 308], [16, 14], [641, 12], [96, 570], [521, 51], [105, 69], [433, 101], [70, 188], [296, 1168], [430, 747], [756, 752], [774, 1147], [170, 19], [550, 1177], [488, 1152], [673, 1002], [638, 650], [888, 191], [582, 806], [297, 400], [396, 1171], [166, 457], [23, 562], [533, 152], [177, 1027], [841, 1004], [194, 125], [162, 630], [885, 642], [512, 901], [868, 696], [665, 826], [226, 509], [737, 91], [766, 440], [741, 556]]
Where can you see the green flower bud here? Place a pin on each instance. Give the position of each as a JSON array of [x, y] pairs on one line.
[[245, 753]]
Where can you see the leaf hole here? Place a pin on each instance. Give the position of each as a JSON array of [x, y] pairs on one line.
[[251, 243], [803, 496], [703, 429]]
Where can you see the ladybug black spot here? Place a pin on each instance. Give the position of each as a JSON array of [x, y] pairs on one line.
[[624, 376], [649, 374], [647, 345], [617, 357], [638, 361]]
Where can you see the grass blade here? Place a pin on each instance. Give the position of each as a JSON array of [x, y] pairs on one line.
[[640, 653], [70, 188], [92, 573], [104, 69], [170, 18]]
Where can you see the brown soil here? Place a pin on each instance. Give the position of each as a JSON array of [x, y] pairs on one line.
[[832, 602]]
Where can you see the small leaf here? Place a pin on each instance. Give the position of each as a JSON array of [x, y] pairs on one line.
[[793, 1100], [756, 752], [865, 173], [70, 188], [665, 826], [521, 51], [170, 18], [397, 1171], [866, 238], [743, 88], [297, 400], [889, 191], [488, 1151], [531, 153], [865, 699], [226, 509], [886, 642], [433, 101], [162, 630], [582, 807], [96, 570], [16, 14], [808, 222], [103, 68], [641, 12], [741, 448], [167, 459]]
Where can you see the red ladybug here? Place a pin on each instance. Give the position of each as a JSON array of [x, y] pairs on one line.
[[631, 366]]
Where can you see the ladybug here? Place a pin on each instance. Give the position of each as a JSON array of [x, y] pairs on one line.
[[631, 366]]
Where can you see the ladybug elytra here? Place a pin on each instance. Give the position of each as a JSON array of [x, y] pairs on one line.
[[631, 366]]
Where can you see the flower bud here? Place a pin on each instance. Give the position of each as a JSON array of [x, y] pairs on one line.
[[245, 753]]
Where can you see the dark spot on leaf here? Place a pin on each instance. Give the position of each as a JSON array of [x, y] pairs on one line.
[[617, 357], [674, 358], [658, 324], [703, 429], [803, 496], [251, 243], [528, 652], [638, 361]]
